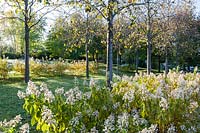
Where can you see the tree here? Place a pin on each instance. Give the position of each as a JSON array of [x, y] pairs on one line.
[[108, 10], [29, 11]]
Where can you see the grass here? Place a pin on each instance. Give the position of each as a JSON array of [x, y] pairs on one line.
[[11, 105]]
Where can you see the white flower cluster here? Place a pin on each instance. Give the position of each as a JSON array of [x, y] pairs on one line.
[[73, 95], [109, 124], [11, 123], [48, 95], [151, 129], [116, 105], [24, 128], [92, 82], [59, 91], [93, 130], [123, 121], [32, 89], [47, 116], [171, 129], [129, 96], [163, 104]]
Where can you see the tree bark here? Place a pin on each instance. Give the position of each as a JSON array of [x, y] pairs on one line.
[[159, 63], [87, 51], [109, 44], [149, 46], [166, 62], [136, 60], [27, 34]]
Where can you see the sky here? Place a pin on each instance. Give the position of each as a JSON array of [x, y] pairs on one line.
[[197, 4]]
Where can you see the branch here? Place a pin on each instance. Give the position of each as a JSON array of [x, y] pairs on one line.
[[3, 18], [42, 17], [128, 5], [99, 11]]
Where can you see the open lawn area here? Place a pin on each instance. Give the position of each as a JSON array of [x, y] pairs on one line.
[[11, 105]]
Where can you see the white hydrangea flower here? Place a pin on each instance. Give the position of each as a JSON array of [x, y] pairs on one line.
[[151, 129], [47, 116], [24, 128], [94, 130], [109, 124], [73, 95], [123, 121], [44, 88], [74, 121], [32, 89], [21, 94], [171, 129], [59, 91], [48, 96], [116, 105], [182, 127], [193, 105], [11, 123], [88, 95], [129, 96], [163, 103], [95, 113], [92, 82]]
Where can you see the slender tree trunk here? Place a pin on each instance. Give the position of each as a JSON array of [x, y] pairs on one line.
[[177, 63], [27, 33], [97, 59], [166, 62], [87, 51], [109, 45], [159, 63], [118, 60], [136, 60], [149, 47]]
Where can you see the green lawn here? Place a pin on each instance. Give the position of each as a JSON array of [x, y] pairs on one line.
[[11, 105]]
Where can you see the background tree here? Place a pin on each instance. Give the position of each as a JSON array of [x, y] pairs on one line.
[[26, 11]]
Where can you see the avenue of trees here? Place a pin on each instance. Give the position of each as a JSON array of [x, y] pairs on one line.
[[154, 34]]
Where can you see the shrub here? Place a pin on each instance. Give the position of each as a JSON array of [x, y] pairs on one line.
[[19, 66], [144, 103], [4, 68], [172, 103], [77, 68]]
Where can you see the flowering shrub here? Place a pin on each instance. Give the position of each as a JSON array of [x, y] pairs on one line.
[[11, 126], [19, 66], [79, 67], [147, 103], [4, 69], [172, 103]]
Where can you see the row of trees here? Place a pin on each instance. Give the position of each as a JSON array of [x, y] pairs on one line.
[[117, 30]]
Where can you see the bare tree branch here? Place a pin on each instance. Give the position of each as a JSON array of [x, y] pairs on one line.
[[43, 15]]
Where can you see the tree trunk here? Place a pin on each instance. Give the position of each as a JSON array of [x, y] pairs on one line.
[[136, 60], [87, 51], [27, 33], [109, 44], [159, 62], [118, 61], [148, 40], [166, 62]]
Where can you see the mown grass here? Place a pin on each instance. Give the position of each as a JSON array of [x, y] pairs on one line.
[[11, 105]]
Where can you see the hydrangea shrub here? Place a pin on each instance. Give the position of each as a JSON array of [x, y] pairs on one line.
[[143, 103]]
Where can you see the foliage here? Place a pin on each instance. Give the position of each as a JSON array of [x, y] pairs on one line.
[[147, 103], [79, 67], [4, 68], [168, 102], [19, 67]]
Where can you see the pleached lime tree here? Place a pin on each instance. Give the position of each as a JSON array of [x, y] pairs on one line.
[[27, 11], [108, 10]]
